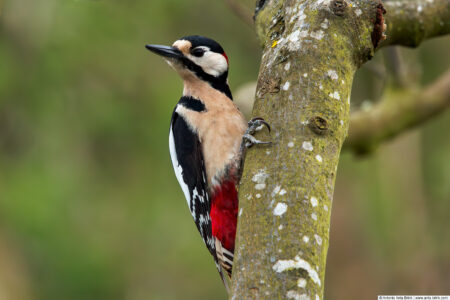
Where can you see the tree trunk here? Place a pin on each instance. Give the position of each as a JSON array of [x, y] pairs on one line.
[[311, 52]]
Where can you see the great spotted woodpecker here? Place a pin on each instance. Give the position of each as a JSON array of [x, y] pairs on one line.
[[207, 138]]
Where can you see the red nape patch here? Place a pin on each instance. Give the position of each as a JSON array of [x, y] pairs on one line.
[[224, 210], [226, 57]]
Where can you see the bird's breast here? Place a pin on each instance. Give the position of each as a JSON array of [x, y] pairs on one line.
[[220, 129]]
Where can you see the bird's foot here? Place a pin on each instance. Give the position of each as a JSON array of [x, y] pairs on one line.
[[254, 125], [249, 140]]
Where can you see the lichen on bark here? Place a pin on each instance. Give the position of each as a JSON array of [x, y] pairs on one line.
[[311, 50]]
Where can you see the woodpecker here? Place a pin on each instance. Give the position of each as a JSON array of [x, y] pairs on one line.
[[207, 139]]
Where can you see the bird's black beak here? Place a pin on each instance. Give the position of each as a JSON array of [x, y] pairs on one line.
[[166, 51]]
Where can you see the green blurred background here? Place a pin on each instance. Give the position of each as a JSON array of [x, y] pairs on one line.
[[90, 207]]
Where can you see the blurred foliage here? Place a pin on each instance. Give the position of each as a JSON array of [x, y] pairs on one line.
[[89, 205]]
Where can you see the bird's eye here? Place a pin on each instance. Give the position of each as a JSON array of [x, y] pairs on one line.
[[198, 52]]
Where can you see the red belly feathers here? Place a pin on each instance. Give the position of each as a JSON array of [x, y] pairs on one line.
[[224, 210]]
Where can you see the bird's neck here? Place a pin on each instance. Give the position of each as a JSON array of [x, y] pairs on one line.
[[200, 89]]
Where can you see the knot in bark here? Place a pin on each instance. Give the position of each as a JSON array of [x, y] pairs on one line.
[[255, 292], [318, 125], [338, 7], [269, 85]]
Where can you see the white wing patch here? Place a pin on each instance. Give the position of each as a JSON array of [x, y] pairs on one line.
[[197, 195], [177, 168]]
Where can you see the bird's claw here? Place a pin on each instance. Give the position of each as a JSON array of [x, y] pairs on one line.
[[250, 140], [253, 126], [255, 123]]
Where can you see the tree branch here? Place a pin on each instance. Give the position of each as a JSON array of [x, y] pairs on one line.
[[413, 21], [396, 67], [397, 112]]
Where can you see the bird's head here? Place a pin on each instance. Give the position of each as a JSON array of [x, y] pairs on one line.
[[195, 56]]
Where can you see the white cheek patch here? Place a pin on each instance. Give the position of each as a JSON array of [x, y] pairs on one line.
[[211, 62]]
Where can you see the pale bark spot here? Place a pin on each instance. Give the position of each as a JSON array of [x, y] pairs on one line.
[[260, 186], [296, 296], [280, 209], [287, 66], [276, 190], [318, 35], [307, 146], [335, 95], [301, 283], [318, 239], [332, 74], [294, 37], [297, 263], [260, 176]]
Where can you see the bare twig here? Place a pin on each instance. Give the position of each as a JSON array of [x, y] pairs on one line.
[[242, 12], [396, 66]]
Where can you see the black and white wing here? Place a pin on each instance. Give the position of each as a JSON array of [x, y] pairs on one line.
[[187, 159]]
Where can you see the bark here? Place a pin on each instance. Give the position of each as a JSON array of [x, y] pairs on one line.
[[311, 50]]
